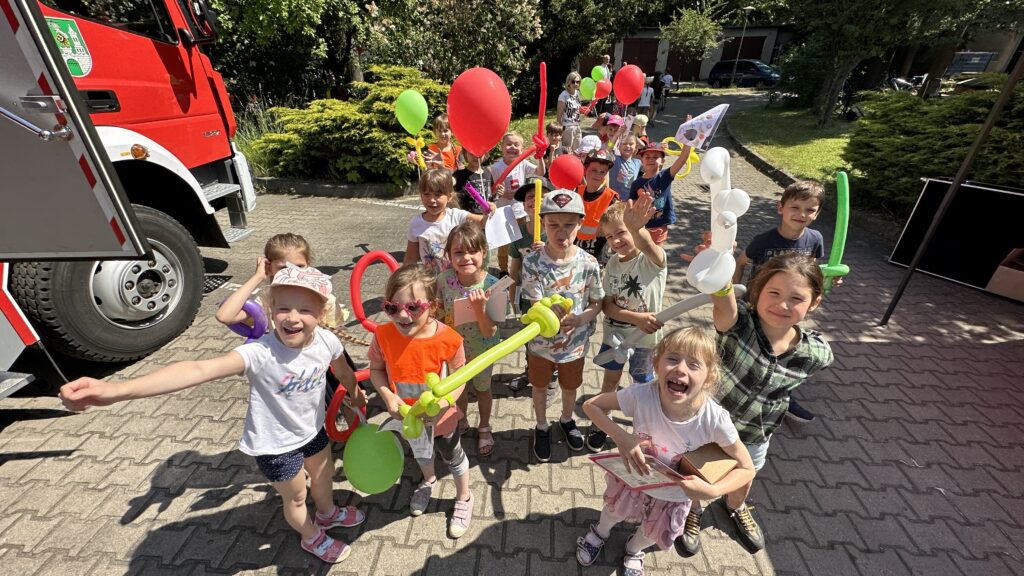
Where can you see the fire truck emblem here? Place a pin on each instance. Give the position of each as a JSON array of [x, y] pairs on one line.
[[72, 46]]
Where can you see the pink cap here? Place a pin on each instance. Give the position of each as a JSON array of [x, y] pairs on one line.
[[615, 120], [308, 278]]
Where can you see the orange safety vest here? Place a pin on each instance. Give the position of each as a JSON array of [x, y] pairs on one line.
[[409, 360], [594, 209]]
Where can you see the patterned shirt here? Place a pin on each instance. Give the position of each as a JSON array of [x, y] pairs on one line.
[[578, 278], [755, 382]]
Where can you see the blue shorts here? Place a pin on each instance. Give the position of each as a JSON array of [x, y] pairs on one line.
[[641, 364], [284, 467]]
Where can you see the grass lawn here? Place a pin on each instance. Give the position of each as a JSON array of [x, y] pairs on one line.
[[789, 140]]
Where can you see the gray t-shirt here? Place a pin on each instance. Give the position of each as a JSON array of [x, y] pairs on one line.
[[637, 285], [770, 244], [286, 392]]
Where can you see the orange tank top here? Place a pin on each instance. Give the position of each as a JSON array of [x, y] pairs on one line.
[[594, 209]]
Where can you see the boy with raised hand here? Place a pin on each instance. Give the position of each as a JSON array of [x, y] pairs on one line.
[[658, 183], [798, 209], [634, 283]]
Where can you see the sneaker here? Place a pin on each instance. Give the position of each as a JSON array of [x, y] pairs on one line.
[[421, 498], [542, 444], [552, 393], [462, 515], [746, 527], [346, 517], [573, 436], [326, 548], [595, 439], [589, 546], [798, 412], [688, 543]]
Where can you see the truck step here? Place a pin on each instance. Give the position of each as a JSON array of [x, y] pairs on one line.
[[11, 382], [234, 234], [219, 190]]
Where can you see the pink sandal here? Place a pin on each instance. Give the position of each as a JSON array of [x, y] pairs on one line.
[[327, 549], [346, 517]]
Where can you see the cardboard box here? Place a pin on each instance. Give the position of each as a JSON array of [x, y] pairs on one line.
[[709, 462], [1008, 279]]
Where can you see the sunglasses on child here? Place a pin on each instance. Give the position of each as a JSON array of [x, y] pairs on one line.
[[413, 308]]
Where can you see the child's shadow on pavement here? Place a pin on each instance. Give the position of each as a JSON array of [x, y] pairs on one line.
[[245, 530]]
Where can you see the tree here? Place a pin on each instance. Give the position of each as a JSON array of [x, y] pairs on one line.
[[691, 33]]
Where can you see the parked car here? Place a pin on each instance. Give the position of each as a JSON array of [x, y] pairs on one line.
[[748, 73]]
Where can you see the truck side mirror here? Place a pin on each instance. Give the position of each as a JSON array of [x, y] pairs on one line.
[[202, 21]]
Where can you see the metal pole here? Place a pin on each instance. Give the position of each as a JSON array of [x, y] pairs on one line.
[[739, 49], [961, 174]]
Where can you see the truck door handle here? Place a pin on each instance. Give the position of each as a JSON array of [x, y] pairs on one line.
[[100, 100]]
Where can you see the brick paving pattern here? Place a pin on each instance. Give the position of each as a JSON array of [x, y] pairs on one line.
[[913, 466]]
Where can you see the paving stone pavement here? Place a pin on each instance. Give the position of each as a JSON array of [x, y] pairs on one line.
[[913, 466]]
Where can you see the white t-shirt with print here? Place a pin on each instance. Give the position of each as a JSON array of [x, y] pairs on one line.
[[637, 285], [432, 236], [665, 439], [286, 391], [516, 178]]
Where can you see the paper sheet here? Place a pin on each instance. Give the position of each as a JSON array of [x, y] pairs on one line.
[[501, 228], [497, 304], [422, 446]]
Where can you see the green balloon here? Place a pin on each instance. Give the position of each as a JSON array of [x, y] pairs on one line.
[[373, 460], [597, 73], [411, 111], [587, 87]]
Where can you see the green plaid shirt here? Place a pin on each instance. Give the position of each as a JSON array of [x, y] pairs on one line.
[[755, 382]]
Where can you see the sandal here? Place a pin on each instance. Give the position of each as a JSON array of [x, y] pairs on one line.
[[327, 549], [463, 426], [633, 564], [484, 441], [589, 546]]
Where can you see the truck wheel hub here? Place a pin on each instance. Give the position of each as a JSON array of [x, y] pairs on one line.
[[137, 294]]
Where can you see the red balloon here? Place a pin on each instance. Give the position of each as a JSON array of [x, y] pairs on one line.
[[603, 89], [566, 172], [629, 82], [479, 110]]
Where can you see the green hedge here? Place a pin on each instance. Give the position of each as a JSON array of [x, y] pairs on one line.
[[358, 140], [902, 139]]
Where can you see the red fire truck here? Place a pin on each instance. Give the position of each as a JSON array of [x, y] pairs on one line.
[[100, 251]]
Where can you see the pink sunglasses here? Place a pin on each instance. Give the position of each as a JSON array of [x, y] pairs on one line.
[[413, 308]]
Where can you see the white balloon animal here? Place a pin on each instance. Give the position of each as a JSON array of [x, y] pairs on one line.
[[712, 269]]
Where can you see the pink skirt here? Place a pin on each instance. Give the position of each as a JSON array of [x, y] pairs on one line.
[[659, 520]]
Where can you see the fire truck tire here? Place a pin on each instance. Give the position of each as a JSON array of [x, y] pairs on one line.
[[85, 309]]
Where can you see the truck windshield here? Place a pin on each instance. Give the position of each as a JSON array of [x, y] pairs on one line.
[[145, 17]]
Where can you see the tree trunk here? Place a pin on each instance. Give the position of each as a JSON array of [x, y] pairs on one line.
[[825, 103]]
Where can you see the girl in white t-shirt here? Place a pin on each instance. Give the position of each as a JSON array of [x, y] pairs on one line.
[[671, 416], [428, 232], [284, 427]]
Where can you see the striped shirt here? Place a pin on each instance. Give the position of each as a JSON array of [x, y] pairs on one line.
[[755, 382]]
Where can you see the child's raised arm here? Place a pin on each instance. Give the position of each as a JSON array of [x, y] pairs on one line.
[[230, 311], [680, 161], [638, 212], [724, 310], [84, 392]]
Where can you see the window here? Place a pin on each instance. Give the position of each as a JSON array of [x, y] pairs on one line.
[[148, 18]]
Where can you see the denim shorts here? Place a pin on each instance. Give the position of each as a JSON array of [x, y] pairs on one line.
[[641, 364], [758, 453], [284, 467]]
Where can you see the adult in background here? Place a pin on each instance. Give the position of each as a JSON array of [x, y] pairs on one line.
[[666, 80], [569, 111], [658, 85], [606, 65]]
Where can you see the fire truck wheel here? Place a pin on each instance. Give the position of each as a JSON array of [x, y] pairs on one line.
[[116, 310]]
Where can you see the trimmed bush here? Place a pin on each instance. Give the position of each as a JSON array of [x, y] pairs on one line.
[[353, 141], [902, 139]]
